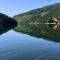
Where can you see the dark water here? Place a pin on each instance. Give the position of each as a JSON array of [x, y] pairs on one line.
[[29, 42], [18, 46]]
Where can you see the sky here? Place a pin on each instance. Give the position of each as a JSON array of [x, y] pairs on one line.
[[14, 7]]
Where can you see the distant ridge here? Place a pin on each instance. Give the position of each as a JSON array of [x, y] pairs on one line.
[[34, 11]]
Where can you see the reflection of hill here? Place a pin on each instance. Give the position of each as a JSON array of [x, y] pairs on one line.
[[6, 23], [35, 22]]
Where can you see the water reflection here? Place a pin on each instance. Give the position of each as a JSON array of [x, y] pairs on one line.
[[54, 23], [49, 30], [17, 46], [6, 23]]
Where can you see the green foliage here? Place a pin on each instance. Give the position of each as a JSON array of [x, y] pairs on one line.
[[6, 23], [30, 22]]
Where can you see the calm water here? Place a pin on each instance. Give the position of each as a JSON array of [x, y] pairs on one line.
[[18, 46]]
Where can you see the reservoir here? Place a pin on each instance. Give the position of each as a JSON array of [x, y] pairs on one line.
[[19, 46]]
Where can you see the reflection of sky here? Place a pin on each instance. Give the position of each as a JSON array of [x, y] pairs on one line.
[[12, 35], [12, 7], [13, 44]]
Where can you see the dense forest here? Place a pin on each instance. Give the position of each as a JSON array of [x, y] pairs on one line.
[[6, 23]]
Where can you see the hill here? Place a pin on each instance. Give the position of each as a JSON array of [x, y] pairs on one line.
[[6, 23], [41, 22]]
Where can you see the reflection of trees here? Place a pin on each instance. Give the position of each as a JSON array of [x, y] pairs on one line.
[[54, 23], [41, 27], [6, 23], [40, 30]]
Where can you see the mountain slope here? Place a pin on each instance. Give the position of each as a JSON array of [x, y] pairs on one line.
[[30, 22], [39, 10], [39, 14]]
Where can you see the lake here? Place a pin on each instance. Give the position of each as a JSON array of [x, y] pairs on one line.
[[19, 46]]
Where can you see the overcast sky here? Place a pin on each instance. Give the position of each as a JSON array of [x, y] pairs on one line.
[[13, 7]]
